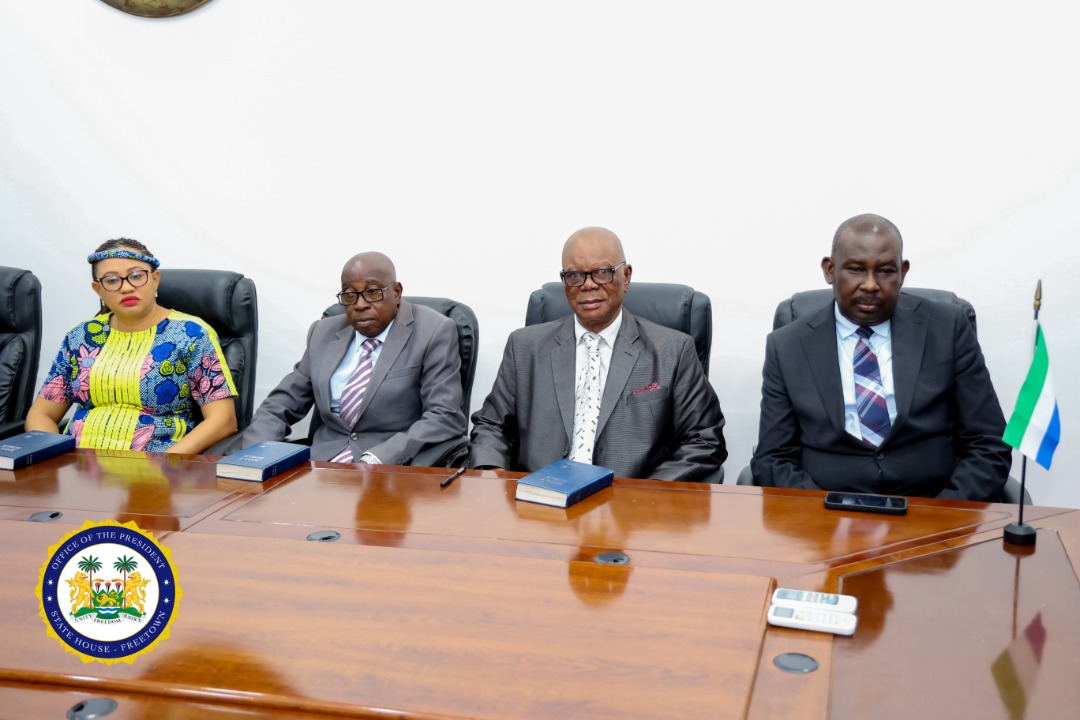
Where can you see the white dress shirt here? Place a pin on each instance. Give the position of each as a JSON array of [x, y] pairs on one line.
[[607, 344], [349, 363], [348, 366], [847, 339]]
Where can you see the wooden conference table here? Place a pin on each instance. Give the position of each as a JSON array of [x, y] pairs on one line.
[[462, 602]]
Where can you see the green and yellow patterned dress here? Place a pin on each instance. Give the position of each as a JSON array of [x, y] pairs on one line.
[[137, 391]]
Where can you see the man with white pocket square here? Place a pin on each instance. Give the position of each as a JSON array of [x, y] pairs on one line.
[[602, 386]]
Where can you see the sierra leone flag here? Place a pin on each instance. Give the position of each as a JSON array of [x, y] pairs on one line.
[[1035, 428]]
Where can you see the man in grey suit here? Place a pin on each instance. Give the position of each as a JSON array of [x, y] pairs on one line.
[[383, 378], [924, 420], [602, 386]]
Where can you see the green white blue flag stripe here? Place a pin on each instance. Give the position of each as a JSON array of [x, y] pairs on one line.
[[1035, 426]]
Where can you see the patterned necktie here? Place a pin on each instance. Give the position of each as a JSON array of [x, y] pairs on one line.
[[353, 394], [587, 407], [869, 394]]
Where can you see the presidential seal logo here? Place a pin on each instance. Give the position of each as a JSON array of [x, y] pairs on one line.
[[108, 591]]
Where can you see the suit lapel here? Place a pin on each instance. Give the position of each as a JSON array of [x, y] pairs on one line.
[[819, 344], [908, 331], [623, 357], [563, 367], [335, 353], [395, 342]]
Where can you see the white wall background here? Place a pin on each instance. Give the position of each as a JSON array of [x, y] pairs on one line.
[[723, 142]]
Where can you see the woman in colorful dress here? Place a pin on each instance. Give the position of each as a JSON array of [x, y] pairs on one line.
[[137, 370]]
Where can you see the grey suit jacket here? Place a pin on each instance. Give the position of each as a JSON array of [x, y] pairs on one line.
[[412, 401], [945, 442], [672, 432]]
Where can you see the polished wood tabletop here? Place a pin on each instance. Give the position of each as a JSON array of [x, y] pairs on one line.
[[685, 525], [336, 628], [464, 597]]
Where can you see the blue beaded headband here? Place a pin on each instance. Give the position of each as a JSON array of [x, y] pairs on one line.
[[127, 254]]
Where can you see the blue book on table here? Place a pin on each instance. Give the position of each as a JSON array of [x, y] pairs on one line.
[[262, 461], [27, 448], [564, 483]]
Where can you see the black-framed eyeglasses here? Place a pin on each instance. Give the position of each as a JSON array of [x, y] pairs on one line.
[[600, 276], [135, 278], [372, 295]]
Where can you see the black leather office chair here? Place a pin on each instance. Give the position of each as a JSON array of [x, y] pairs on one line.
[[453, 452], [808, 302], [227, 302], [20, 346], [679, 307]]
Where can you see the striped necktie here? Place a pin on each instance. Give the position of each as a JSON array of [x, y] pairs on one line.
[[874, 420], [353, 394], [587, 407]]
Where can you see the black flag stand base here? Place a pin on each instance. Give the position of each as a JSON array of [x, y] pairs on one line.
[[1019, 534]]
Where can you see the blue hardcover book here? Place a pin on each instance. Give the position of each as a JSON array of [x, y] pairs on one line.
[[563, 483], [19, 451], [262, 461]]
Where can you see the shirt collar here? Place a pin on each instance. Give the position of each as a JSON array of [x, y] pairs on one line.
[[381, 337], [846, 328], [608, 334]]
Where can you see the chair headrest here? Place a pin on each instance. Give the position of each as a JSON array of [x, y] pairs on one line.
[[667, 304], [20, 301], [468, 335], [672, 305], [222, 298], [803, 304]]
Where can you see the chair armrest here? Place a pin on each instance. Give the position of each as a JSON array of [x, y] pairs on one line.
[[225, 446], [745, 477], [12, 427], [1010, 493], [448, 453], [717, 478]]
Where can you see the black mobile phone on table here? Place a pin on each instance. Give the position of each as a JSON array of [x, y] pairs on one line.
[[862, 502]]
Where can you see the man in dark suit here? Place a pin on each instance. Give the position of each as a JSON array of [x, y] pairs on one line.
[[602, 386], [879, 392], [383, 378]]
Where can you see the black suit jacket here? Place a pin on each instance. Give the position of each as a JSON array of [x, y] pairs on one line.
[[945, 441], [659, 417]]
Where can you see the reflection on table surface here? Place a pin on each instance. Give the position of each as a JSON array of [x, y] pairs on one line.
[[960, 614], [328, 627], [683, 525], [158, 491], [435, 600]]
